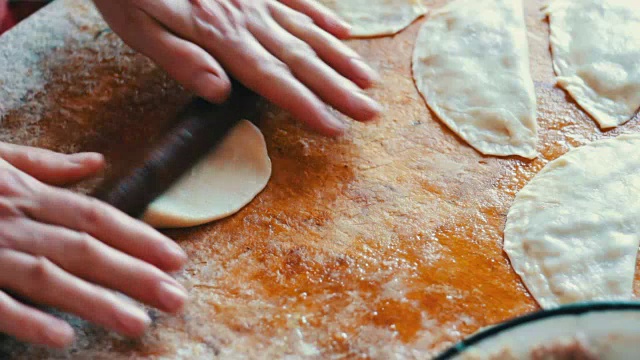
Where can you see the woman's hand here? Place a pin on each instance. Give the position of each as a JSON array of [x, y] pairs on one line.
[[287, 51], [64, 250]]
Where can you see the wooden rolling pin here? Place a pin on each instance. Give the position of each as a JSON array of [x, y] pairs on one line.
[[200, 128]]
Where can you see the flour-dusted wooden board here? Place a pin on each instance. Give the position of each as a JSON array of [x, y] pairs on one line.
[[386, 243]]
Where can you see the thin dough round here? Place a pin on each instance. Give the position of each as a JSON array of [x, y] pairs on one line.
[[377, 17], [596, 54], [471, 64], [219, 186], [572, 233]]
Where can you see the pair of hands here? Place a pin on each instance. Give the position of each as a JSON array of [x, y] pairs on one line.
[[65, 250]]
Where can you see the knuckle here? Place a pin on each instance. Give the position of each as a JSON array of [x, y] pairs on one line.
[[260, 65], [41, 271], [30, 158], [14, 183], [238, 18], [85, 245], [7, 209], [239, 8], [256, 17], [209, 24], [233, 38], [232, 29], [299, 54], [271, 69], [302, 19], [92, 213], [210, 36]]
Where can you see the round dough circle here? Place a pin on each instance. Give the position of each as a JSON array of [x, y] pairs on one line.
[[572, 233], [220, 185]]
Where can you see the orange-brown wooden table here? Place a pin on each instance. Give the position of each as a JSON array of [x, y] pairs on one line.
[[386, 243]]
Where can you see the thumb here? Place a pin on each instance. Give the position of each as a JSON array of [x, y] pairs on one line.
[[51, 167]]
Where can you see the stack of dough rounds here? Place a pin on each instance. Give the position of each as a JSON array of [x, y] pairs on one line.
[[572, 233], [471, 64], [218, 186], [596, 54], [377, 17]]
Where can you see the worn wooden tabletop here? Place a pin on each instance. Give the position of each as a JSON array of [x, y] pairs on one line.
[[386, 243]]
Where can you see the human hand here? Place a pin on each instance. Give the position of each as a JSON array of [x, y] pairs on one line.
[[287, 51], [64, 250]]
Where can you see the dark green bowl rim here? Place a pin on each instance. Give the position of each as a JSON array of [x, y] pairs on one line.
[[574, 309]]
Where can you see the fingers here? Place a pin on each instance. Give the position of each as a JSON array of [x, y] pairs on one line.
[[73, 251], [272, 60], [259, 70], [274, 81], [221, 29], [33, 326], [333, 51], [51, 167], [322, 16], [183, 60], [87, 215], [44, 282], [313, 72]]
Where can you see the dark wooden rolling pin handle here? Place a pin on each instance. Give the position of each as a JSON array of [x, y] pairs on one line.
[[201, 127]]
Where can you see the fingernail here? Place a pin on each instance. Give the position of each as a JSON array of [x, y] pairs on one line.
[[83, 158], [176, 251], [345, 25], [212, 88], [335, 123], [172, 297], [133, 320], [371, 107], [57, 335], [365, 72]]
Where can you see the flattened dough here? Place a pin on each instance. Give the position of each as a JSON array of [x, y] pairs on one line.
[[596, 55], [377, 17], [471, 64], [219, 186], [572, 233]]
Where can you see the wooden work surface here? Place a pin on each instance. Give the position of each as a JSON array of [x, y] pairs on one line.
[[386, 243]]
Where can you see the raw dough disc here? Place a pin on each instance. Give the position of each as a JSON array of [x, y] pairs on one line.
[[471, 64], [596, 54], [219, 186], [377, 17], [572, 233]]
